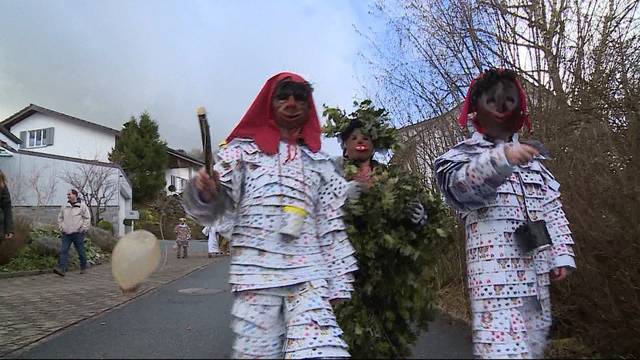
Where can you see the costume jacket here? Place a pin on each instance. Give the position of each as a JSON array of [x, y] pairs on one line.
[[255, 186], [489, 193]]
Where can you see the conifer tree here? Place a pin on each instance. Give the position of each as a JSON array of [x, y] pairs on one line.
[[142, 154]]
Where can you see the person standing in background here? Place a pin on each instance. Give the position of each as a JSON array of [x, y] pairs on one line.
[[183, 235], [6, 218], [74, 219]]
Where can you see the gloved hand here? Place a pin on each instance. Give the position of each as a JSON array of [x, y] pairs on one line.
[[416, 213], [354, 190]]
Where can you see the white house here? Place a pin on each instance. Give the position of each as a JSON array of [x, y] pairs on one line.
[[47, 131], [182, 167], [59, 144], [54, 150], [50, 132]]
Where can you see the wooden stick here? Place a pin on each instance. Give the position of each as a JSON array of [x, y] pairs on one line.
[[206, 140]]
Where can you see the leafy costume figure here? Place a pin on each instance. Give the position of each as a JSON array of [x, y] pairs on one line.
[[387, 226]]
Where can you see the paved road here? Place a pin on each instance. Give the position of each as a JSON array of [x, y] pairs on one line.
[[189, 318], [34, 307], [195, 246]]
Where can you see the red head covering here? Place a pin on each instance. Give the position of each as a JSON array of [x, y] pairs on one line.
[[260, 125], [468, 107]]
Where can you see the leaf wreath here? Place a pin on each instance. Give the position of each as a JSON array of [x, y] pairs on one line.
[[375, 124]]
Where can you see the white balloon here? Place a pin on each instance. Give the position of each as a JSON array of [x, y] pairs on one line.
[[134, 258]]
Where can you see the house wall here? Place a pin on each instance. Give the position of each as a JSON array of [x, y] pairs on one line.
[[184, 173], [70, 138], [38, 187]]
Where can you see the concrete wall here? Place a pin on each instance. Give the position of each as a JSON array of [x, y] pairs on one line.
[[37, 184], [70, 138]]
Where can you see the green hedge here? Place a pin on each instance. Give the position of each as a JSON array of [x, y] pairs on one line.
[[105, 225]]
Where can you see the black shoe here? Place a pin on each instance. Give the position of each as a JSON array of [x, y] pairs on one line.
[[83, 271], [58, 271]]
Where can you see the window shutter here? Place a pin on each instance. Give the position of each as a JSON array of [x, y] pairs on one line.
[[48, 136], [23, 138]]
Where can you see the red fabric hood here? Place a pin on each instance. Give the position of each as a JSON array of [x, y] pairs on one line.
[[260, 125]]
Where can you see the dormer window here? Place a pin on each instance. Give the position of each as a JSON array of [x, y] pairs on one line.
[[36, 138]]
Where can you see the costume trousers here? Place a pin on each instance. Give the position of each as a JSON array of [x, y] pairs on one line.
[[212, 243], [182, 249], [526, 336], [292, 322]]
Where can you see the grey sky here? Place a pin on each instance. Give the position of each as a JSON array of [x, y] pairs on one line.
[[104, 61]]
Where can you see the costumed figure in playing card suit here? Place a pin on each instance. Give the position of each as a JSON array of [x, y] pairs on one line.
[[290, 255], [517, 235], [183, 235], [394, 241]]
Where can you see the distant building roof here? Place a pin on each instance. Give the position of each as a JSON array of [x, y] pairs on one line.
[[32, 109], [184, 156]]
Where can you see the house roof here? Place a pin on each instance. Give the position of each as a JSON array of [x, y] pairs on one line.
[[449, 113], [32, 109], [183, 156], [8, 134]]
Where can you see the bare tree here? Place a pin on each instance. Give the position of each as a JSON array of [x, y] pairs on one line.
[[580, 61], [95, 185], [42, 182]]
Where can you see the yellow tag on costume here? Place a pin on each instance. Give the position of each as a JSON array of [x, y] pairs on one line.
[[292, 220], [295, 210]]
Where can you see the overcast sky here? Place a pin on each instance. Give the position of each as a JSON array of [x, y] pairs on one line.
[[105, 60]]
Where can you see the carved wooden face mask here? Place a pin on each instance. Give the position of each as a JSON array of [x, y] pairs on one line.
[[358, 146], [499, 106]]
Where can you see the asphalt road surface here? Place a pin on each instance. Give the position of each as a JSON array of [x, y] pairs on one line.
[[189, 318]]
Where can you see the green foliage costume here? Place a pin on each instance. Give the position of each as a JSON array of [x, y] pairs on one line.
[[394, 294]]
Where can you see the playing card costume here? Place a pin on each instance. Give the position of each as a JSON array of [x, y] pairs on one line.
[[290, 254], [508, 284], [183, 235]]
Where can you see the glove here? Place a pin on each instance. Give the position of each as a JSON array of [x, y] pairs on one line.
[[354, 190], [417, 214]]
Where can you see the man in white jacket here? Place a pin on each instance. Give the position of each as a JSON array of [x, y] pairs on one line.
[[74, 219]]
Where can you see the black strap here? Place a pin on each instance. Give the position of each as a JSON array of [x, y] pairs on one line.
[[524, 197]]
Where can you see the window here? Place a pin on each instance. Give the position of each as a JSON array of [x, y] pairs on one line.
[[179, 183], [36, 138]]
